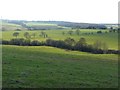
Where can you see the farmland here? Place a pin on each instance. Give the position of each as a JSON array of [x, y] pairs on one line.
[[10, 26], [110, 38], [41, 66], [50, 67]]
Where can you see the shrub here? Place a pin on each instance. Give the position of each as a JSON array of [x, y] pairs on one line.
[[35, 43], [4, 42], [16, 34], [99, 32], [27, 42], [17, 41], [98, 47]]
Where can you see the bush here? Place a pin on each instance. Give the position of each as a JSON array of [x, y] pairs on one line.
[[98, 47], [27, 42], [35, 43], [17, 41], [4, 42], [99, 32]]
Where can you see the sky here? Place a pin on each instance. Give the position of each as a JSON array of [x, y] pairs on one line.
[[85, 11]]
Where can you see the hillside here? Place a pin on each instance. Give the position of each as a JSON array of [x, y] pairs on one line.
[[111, 39], [49, 25], [43, 66], [10, 26], [52, 67]]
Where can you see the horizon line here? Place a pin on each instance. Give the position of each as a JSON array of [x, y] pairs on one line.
[[55, 21]]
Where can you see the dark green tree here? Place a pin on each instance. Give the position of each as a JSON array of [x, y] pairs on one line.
[[43, 34], [16, 34], [77, 32], [81, 44], [69, 41], [63, 33], [70, 32], [27, 35], [33, 34], [97, 45]]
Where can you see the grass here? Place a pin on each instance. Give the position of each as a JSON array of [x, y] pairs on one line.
[[110, 38], [45, 25], [10, 26], [49, 67], [42, 66], [39, 24]]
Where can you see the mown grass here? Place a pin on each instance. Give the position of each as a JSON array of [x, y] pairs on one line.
[[111, 39], [42, 66]]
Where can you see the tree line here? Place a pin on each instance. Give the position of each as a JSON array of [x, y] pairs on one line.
[[27, 35], [69, 43]]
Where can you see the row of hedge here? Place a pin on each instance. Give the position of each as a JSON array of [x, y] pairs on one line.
[[68, 43]]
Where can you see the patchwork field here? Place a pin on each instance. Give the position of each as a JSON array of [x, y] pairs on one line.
[[42, 66]]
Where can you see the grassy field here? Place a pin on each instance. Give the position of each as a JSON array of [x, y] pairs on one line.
[[10, 26], [39, 24], [111, 39], [43, 66], [45, 25]]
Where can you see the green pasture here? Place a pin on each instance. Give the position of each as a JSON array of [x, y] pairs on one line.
[[39, 24], [10, 26], [111, 39], [49, 67]]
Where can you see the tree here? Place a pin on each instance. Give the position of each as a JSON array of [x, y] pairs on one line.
[[27, 35], [18, 29], [34, 34], [105, 47], [3, 28], [92, 33], [105, 31], [17, 41], [99, 32], [70, 32], [114, 30], [63, 33], [97, 45], [78, 32], [118, 30], [27, 42], [111, 28], [35, 43], [82, 41], [16, 34], [69, 41], [81, 44], [43, 34]]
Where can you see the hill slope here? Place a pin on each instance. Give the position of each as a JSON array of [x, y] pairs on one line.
[[36, 25], [52, 67]]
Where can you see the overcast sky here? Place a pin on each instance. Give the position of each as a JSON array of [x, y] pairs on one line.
[[89, 11]]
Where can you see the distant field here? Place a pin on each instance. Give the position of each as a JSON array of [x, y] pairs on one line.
[[39, 24], [110, 38], [42, 66], [10, 26], [46, 26]]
